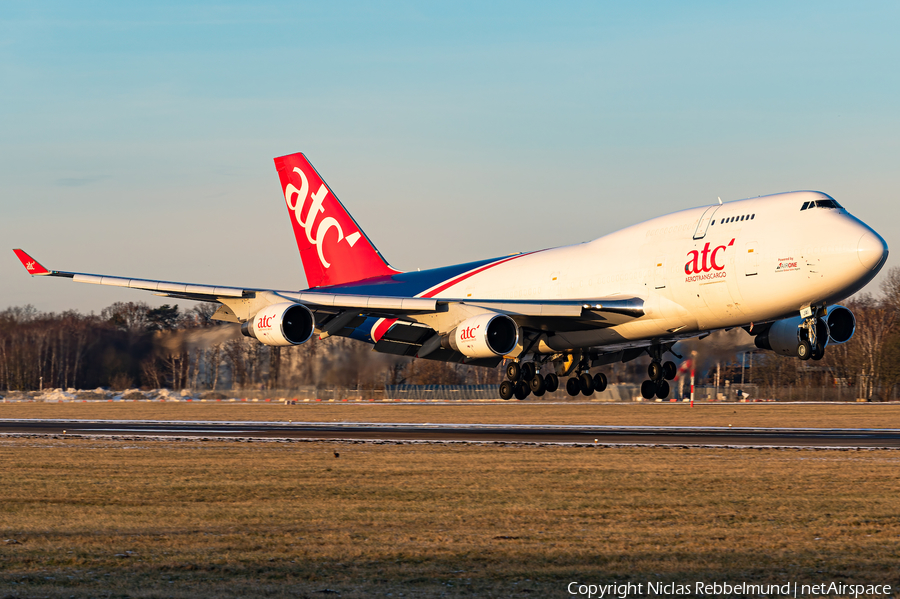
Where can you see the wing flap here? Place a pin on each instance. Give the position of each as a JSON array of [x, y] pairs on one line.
[[627, 306], [572, 310], [142, 284]]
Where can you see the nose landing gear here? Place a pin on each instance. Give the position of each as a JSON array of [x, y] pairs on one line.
[[813, 336]]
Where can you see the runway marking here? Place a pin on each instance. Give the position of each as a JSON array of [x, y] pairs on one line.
[[438, 426], [355, 441]]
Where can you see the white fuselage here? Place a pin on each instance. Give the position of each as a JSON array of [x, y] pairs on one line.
[[696, 270]]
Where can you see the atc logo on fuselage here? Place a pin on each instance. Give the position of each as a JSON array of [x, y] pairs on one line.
[[706, 264]]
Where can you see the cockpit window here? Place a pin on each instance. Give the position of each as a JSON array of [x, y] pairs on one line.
[[829, 203]]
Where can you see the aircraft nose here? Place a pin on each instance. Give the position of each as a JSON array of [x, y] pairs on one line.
[[872, 250]]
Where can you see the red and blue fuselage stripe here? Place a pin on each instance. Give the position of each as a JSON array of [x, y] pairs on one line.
[[407, 284], [424, 283]]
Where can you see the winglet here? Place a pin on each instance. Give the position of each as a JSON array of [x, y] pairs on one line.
[[31, 265]]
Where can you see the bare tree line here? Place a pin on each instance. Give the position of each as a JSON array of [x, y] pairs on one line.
[[130, 344]]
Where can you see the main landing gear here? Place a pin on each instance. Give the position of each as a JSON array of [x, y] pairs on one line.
[[586, 384], [660, 374], [524, 378]]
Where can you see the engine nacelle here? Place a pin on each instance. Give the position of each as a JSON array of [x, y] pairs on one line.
[[485, 336], [783, 336], [281, 324]]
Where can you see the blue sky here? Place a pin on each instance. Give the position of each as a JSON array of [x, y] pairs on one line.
[[138, 139]]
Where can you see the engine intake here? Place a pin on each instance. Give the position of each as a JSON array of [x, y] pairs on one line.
[[281, 324], [485, 336], [841, 324]]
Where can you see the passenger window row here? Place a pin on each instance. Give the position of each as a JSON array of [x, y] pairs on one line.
[[732, 219]]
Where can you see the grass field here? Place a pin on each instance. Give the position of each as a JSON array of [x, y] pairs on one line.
[[861, 415], [91, 518]]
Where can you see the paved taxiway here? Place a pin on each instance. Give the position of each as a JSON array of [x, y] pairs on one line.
[[478, 433]]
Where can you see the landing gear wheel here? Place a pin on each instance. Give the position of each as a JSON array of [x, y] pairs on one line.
[[599, 382], [573, 387], [586, 383], [662, 389], [522, 390], [528, 371], [648, 389], [804, 351], [669, 370], [551, 382], [506, 390], [818, 352], [538, 386], [513, 371], [655, 371]]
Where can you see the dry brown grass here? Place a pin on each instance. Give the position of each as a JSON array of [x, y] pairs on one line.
[[622, 414], [291, 520]]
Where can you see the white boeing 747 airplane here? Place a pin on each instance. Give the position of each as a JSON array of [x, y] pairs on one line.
[[774, 265]]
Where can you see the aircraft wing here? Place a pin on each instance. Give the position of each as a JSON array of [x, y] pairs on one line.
[[328, 302], [340, 314]]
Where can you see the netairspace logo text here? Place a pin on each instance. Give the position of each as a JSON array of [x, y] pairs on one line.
[[623, 590]]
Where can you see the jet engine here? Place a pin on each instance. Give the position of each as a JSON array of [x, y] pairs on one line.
[[841, 324], [281, 324], [484, 336], [783, 336]]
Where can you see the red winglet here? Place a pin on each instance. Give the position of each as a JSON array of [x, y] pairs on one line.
[[31, 265]]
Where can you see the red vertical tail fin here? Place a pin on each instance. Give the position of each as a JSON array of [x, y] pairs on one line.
[[333, 248]]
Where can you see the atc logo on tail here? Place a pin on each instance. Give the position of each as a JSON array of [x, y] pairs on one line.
[[333, 248], [296, 201]]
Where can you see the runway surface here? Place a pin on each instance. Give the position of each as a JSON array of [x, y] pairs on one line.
[[478, 433]]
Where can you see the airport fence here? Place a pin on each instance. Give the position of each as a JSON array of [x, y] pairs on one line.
[[418, 393], [621, 392], [786, 393]]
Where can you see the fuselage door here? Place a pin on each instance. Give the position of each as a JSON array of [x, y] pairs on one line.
[[751, 259], [703, 225], [659, 273]]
